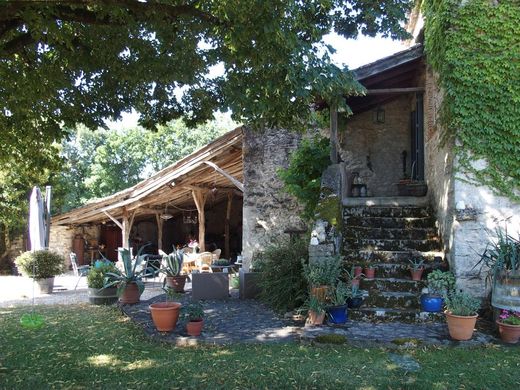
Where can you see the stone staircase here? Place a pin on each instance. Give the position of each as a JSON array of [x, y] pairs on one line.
[[387, 237]]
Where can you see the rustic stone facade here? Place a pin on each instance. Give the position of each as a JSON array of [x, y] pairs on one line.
[[60, 239], [374, 149], [268, 211]]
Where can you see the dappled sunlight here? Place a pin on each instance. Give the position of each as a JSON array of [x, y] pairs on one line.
[[4, 312], [140, 365], [392, 366], [103, 360], [222, 352]]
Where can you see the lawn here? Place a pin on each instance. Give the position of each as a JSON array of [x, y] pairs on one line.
[[95, 347]]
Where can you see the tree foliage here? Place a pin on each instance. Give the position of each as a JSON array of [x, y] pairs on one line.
[[474, 46], [69, 62]]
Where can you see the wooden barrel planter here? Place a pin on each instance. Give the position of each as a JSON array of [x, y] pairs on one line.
[[506, 291], [103, 296]]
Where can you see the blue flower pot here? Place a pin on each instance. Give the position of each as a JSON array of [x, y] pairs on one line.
[[337, 314], [431, 303]]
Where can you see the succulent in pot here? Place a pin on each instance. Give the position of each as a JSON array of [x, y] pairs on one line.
[[416, 268], [195, 316], [97, 293], [129, 280], [509, 326], [166, 314], [439, 284], [461, 314], [43, 266], [337, 313], [172, 268]]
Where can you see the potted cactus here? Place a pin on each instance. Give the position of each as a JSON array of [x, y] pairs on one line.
[[417, 268], [195, 317], [172, 267]]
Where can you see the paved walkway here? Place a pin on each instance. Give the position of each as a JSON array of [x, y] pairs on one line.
[[249, 321]]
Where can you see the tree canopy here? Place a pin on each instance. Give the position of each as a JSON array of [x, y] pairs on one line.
[[76, 61]]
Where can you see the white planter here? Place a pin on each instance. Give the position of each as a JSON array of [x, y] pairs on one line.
[[45, 285]]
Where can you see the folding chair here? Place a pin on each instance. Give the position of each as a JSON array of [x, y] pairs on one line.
[[80, 271]]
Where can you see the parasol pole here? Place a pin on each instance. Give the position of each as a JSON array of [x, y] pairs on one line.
[[48, 193]]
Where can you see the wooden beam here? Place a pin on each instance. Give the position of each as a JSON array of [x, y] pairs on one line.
[[226, 224], [394, 90], [159, 230], [199, 197], [114, 220], [239, 185], [333, 135]]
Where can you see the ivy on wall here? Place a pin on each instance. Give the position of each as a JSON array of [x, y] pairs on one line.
[[474, 45]]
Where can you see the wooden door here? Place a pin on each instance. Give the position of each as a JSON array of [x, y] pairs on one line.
[[111, 237]]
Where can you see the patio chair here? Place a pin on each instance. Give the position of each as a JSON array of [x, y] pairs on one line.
[[79, 271], [205, 260], [216, 254]]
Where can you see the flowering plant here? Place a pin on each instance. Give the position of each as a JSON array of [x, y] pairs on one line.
[[193, 244], [509, 317]]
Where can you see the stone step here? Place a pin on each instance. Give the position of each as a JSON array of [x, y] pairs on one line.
[[378, 285], [355, 255], [391, 270], [365, 244], [389, 222], [380, 314], [376, 211], [360, 232], [392, 300]]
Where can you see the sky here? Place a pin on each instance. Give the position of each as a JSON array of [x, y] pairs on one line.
[[352, 53]]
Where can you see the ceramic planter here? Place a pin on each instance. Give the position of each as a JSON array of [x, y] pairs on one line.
[[337, 314], [102, 296], [431, 303], [165, 315], [460, 327], [130, 294], [316, 318], [509, 333], [416, 274], [194, 327], [355, 303], [46, 285], [176, 282]]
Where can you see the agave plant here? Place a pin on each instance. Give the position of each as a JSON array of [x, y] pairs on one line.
[[133, 271], [172, 262]]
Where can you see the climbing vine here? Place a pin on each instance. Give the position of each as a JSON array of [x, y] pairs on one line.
[[474, 45]]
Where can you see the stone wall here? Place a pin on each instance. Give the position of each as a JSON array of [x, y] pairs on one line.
[[438, 156], [60, 238], [374, 149], [268, 211]]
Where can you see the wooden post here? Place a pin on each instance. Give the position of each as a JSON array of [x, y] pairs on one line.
[[126, 226], [226, 224], [199, 196], [333, 135], [159, 230]]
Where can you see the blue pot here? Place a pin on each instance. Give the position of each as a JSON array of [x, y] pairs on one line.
[[337, 314], [431, 303]]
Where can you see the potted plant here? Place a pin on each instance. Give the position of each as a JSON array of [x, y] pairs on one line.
[[321, 275], [97, 293], [337, 313], [356, 297], [316, 311], [172, 269], [165, 314], [370, 271], [416, 268], [195, 316], [461, 314], [509, 326], [129, 281], [439, 284], [43, 266]]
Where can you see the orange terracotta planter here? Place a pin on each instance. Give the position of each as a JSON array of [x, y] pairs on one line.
[[509, 333], [320, 292], [370, 273], [316, 318], [165, 315], [176, 282], [460, 327], [130, 294], [417, 274], [194, 328]]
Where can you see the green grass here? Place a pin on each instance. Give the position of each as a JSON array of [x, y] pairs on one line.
[[95, 347]]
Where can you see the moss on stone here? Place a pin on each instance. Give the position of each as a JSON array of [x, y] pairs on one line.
[[331, 338], [329, 209]]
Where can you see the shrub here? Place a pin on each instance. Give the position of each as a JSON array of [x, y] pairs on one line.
[[462, 304], [283, 286], [40, 264], [96, 276]]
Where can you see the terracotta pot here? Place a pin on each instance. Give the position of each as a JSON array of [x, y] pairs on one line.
[[320, 292], [416, 274], [358, 271], [509, 333], [315, 318], [165, 315], [176, 282], [194, 328], [130, 294], [460, 327], [370, 273], [355, 282]]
